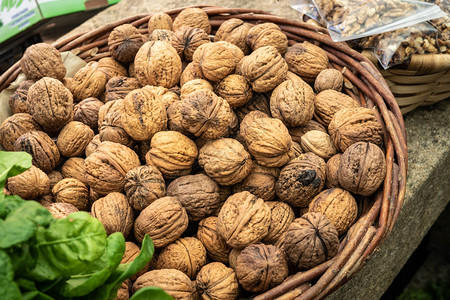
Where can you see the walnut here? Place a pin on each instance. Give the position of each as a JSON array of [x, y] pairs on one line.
[[351, 125], [260, 101], [118, 87], [157, 63], [310, 240], [215, 245], [362, 168], [159, 21], [30, 185], [282, 216], [264, 68], [301, 179], [292, 102], [267, 139], [123, 293], [193, 85], [191, 72], [50, 103], [41, 147], [261, 267], [296, 150], [107, 166], [143, 114], [172, 153], [143, 185], [319, 143], [55, 177], [329, 79], [92, 146], [234, 31], [73, 191], [332, 176], [260, 182], [131, 252], [199, 195], [164, 220], [306, 60], [174, 282], [89, 81], [338, 206], [217, 281], [297, 132], [75, 167], [165, 95], [114, 212], [87, 112], [73, 138], [18, 100], [61, 210], [111, 68], [42, 60], [124, 42], [225, 161], [185, 254], [187, 39], [192, 17], [174, 118], [162, 35], [267, 34], [328, 103], [217, 60], [205, 114], [235, 89], [15, 126], [243, 219], [111, 125], [232, 258]]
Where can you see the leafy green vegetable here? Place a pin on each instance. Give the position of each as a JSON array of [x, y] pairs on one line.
[[8, 288], [151, 292], [12, 164]]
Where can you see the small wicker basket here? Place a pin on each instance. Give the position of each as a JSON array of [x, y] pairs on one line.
[[364, 83]]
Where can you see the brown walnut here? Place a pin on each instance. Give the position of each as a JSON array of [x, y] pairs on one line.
[[159, 21], [260, 182], [131, 252], [90, 148], [319, 143], [165, 95], [192, 17], [328, 103], [259, 101], [232, 258], [73, 191], [187, 39], [124, 42], [118, 87], [73, 138], [191, 72], [329, 79], [162, 35], [29, 185], [55, 177], [332, 175], [14, 126], [174, 118], [18, 100], [123, 293], [111, 68], [282, 215], [193, 85], [217, 281], [89, 81], [267, 34], [42, 60], [306, 60], [215, 245], [111, 125], [297, 132], [87, 112], [61, 210], [75, 167], [46, 200], [234, 31], [235, 89]]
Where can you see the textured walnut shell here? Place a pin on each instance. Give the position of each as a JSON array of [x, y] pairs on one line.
[[260, 182], [205, 114], [73, 138], [329, 79], [319, 143], [162, 35], [92, 146], [193, 85], [261, 267], [306, 60], [332, 174], [159, 21], [217, 281], [329, 102], [172, 153], [267, 139], [259, 101], [42, 60], [131, 252], [30, 185], [198, 194], [310, 240], [124, 42], [267, 34], [118, 87], [111, 125], [215, 245], [351, 125], [225, 161], [232, 258], [297, 132], [235, 89], [114, 212], [111, 68], [282, 216], [296, 150], [338, 206], [264, 68], [46, 200], [73, 191], [292, 102], [87, 112], [157, 63], [164, 220], [174, 118], [243, 219], [192, 17], [61, 210], [217, 60], [107, 166], [143, 185], [50, 103], [362, 168], [89, 81], [15, 126], [123, 293], [234, 31], [75, 167], [55, 177], [185, 254], [301, 179], [187, 39], [41, 147], [173, 282], [18, 100]]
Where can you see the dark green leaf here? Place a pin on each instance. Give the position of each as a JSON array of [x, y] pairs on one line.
[[36, 295], [8, 288], [151, 292], [12, 164]]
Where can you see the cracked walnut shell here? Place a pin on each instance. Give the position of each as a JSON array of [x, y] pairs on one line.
[[89, 81], [267, 34], [124, 42], [42, 60], [217, 281], [75, 167], [87, 112], [187, 39], [234, 31], [235, 89], [215, 245], [29, 185], [192, 17], [15, 126], [282, 215], [319, 143], [329, 102], [73, 191], [73, 139], [306, 60], [18, 100], [159, 21], [329, 79]]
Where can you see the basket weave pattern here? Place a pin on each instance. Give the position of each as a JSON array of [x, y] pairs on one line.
[[364, 83]]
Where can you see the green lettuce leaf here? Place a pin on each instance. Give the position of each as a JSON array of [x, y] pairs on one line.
[[12, 164], [8, 288], [151, 292]]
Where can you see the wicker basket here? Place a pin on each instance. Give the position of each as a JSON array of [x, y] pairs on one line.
[[364, 83]]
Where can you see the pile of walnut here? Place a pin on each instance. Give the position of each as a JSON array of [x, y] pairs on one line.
[[220, 151]]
